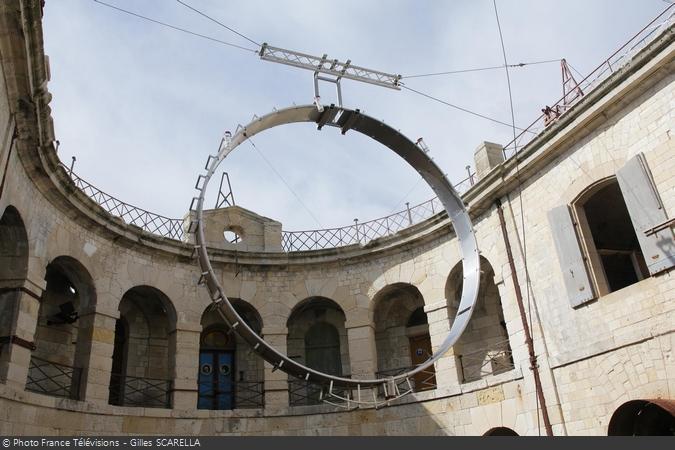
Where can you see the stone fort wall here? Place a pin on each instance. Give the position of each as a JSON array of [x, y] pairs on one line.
[[592, 358]]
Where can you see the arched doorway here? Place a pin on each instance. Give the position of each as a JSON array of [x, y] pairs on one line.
[[61, 339], [142, 360], [317, 337], [402, 335], [643, 418], [13, 271], [230, 376], [500, 431], [322, 348], [216, 369], [484, 348]]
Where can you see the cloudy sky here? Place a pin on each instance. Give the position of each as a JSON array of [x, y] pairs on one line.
[[142, 106]]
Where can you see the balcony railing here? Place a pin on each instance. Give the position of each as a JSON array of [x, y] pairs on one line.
[[49, 378], [491, 360], [423, 381], [249, 394], [136, 391], [244, 395]]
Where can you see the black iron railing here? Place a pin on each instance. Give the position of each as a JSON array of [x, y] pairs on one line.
[[244, 395], [249, 394], [492, 360], [304, 393], [49, 378], [423, 381], [136, 391]]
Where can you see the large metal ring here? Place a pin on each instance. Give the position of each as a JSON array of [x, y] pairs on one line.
[[345, 119]]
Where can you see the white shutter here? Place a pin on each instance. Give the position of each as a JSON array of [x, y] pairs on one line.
[[575, 275], [646, 211]]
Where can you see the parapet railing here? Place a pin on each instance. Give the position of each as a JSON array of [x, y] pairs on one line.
[[292, 241], [50, 378], [130, 214], [574, 94], [361, 233]]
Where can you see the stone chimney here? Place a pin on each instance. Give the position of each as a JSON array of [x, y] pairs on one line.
[[487, 156]]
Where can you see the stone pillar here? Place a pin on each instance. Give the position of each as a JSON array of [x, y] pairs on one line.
[[362, 354], [439, 324], [276, 382], [93, 354], [20, 305], [487, 156], [184, 346], [362, 351]]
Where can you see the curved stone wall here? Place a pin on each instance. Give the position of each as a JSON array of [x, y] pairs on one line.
[[62, 246]]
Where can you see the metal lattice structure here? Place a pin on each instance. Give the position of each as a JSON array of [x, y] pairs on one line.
[[136, 391], [292, 241], [50, 378], [494, 360], [332, 67], [130, 214]]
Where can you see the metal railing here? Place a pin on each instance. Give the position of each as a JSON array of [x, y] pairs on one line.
[[291, 241], [245, 394], [613, 63], [362, 233], [136, 391], [423, 381], [130, 214], [49, 378], [249, 394], [492, 360], [304, 393]]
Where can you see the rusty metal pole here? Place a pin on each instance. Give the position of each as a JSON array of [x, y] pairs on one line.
[[528, 335]]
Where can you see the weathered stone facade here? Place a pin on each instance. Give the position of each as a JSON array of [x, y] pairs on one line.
[[58, 247]]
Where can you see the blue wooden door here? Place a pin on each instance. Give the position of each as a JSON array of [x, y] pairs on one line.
[[216, 380]]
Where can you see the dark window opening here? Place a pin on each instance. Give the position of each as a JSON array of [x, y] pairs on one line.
[[614, 238]]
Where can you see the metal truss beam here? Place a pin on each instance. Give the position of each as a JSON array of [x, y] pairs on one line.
[[333, 67]]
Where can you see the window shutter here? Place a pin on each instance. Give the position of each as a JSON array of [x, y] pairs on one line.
[[646, 211], [575, 275]]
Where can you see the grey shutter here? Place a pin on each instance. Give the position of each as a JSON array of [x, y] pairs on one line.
[[575, 275], [646, 211]]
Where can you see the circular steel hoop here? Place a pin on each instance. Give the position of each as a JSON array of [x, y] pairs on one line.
[[345, 119]]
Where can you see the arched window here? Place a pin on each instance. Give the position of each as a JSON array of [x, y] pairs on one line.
[[402, 335], [609, 239], [317, 337], [13, 270], [322, 348], [613, 235], [484, 348], [57, 365], [142, 358]]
